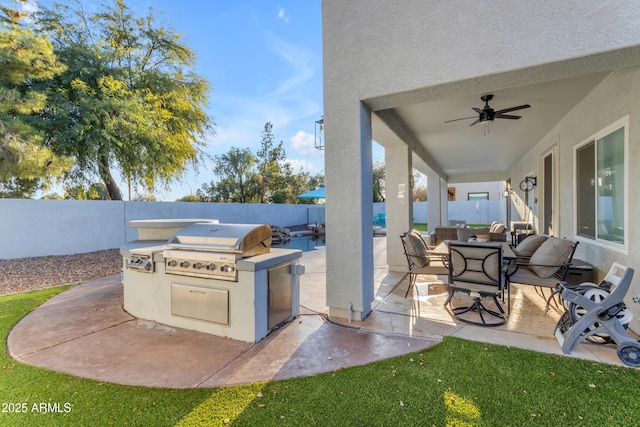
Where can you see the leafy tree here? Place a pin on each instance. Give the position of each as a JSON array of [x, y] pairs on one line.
[[128, 100], [419, 187], [269, 163], [75, 193], [190, 198], [238, 180], [26, 164], [264, 177], [52, 196], [96, 191], [378, 182], [145, 198], [299, 183]]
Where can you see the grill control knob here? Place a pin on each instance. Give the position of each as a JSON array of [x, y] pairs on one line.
[[226, 268], [197, 265], [172, 263], [211, 267], [184, 264]]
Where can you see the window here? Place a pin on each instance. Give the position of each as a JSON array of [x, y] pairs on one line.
[[601, 186], [477, 196]]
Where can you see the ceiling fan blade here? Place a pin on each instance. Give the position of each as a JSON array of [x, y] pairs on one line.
[[474, 122], [506, 116], [507, 110], [464, 118], [478, 110]]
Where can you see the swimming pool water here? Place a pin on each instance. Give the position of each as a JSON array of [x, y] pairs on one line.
[[304, 243]]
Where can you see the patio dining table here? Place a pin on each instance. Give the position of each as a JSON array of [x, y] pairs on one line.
[[443, 250]]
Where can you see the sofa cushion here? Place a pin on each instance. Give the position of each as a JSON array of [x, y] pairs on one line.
[[496, 227], [528, 246], [417, 247], [553, 251]]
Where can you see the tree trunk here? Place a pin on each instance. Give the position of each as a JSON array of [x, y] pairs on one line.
[[107, 178]]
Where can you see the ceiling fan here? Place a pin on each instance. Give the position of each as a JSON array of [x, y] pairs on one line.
[[488, 114]]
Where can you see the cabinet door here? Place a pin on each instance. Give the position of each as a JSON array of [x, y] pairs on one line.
[[279, 296]]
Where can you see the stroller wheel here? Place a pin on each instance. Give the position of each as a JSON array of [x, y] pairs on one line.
[[630, 354]]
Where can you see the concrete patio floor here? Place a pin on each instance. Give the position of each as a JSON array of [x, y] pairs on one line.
[[85, 332]]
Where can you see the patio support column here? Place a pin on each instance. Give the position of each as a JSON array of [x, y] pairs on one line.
[[349, 209], [398, 172], [438, 206]]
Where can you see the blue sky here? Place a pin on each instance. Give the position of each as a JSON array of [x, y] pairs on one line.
[[263, 60]]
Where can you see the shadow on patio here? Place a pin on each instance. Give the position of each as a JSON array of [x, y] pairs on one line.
[[422, 314], [84, 331]]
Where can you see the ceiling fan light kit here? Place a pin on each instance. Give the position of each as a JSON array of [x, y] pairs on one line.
[[488, 114]]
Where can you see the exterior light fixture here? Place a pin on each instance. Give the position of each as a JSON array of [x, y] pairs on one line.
[[528, 183], [318, 134]]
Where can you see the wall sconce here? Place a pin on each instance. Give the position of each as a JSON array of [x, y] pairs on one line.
[[318, 134], [528, 183]]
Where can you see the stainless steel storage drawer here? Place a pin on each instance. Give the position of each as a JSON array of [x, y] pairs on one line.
[[211, 305]]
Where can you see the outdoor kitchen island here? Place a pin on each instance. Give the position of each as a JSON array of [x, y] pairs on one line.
[[220, 279]]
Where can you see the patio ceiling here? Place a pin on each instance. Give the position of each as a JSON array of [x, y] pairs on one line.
[[466, 153]]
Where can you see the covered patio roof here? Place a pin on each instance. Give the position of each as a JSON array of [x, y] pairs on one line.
[[485, 151]]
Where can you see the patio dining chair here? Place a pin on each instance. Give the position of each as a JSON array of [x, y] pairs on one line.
[[477, 270], [548, 265], [419, 258]]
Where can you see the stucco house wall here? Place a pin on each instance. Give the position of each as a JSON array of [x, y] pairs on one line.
[[381, 54], [384, 52], [615, 97]]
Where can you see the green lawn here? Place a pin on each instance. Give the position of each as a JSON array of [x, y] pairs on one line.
[[454, 383]]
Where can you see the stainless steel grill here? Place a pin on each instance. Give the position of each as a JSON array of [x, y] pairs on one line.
[[212, 250], [221, 279]]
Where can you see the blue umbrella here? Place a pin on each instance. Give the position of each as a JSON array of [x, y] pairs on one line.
[[318, 193]]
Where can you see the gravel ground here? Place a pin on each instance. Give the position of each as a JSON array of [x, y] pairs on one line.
[[24, 274]]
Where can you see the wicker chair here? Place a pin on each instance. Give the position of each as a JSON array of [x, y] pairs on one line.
[[446, 232]]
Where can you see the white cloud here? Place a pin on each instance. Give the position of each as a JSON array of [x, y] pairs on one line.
[[302, 61], [304, 144], [281, 15], [300, 164]]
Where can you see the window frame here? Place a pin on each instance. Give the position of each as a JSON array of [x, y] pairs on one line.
[[469, 199], [623, 248]]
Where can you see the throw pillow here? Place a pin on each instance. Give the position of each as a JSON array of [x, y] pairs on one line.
[[529, 245], [552, 252], [418, 249], [499, 228]]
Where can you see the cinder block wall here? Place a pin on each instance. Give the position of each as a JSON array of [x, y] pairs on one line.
[[30, 228]]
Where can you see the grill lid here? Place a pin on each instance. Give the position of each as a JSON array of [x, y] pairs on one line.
[[243, 239]]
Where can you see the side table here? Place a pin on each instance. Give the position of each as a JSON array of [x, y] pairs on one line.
[[579, 272]]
